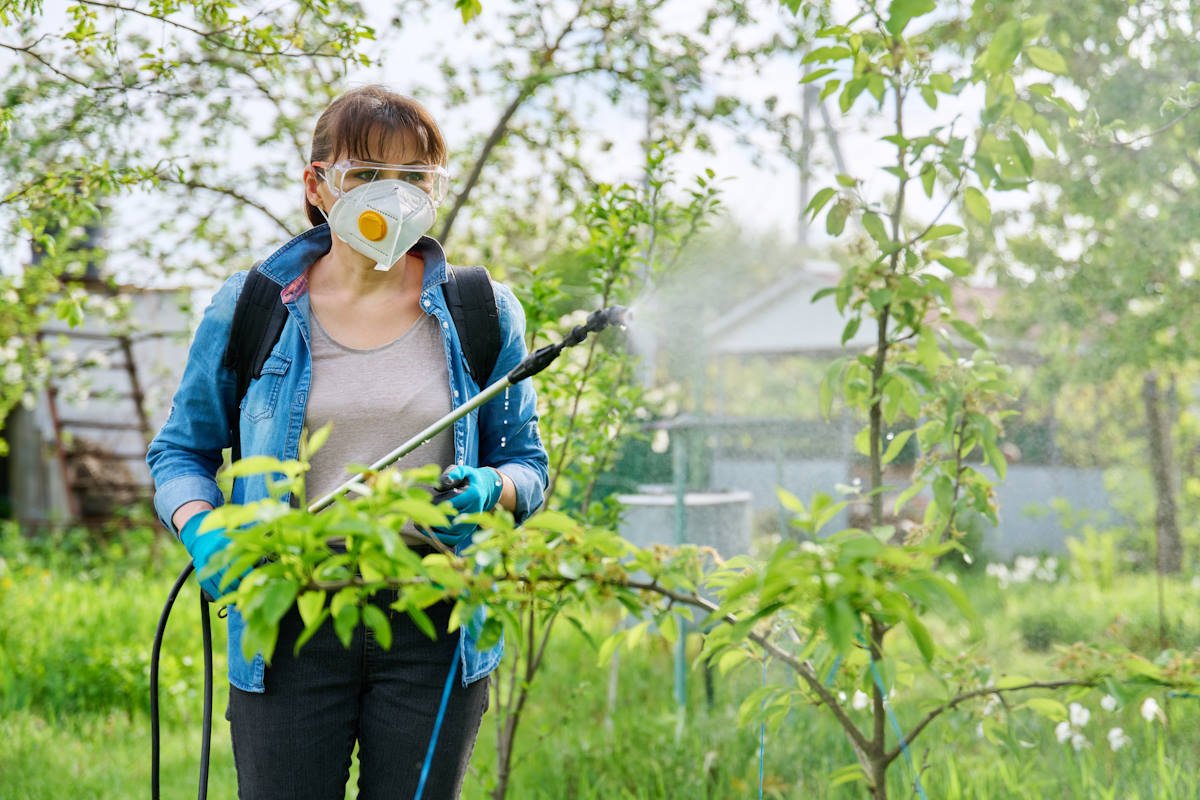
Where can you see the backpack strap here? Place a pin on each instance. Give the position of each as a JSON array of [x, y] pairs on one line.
[[258, 320], [472, 304]]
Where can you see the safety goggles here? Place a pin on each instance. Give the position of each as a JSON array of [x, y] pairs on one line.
[[347, 174]]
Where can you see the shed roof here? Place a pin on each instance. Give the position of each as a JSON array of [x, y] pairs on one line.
[[784, 319]]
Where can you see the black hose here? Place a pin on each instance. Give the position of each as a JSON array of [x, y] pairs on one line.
[[155, 653], [154, 657], [206, 724]]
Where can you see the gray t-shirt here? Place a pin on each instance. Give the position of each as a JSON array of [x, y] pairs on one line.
[[377, 399]]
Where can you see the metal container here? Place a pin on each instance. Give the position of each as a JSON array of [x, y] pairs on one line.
[[717, 519]]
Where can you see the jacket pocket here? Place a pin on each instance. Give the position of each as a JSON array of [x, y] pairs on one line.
[[263, 392]]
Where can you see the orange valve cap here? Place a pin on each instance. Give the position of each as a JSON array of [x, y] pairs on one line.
[[372, 225]]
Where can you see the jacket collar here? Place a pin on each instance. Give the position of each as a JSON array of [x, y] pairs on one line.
[[288, 266]]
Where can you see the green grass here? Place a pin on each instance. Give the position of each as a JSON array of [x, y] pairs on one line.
[[76, 623]]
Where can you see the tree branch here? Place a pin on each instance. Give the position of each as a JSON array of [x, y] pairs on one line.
[[223, 190], [215, 36], [1127, 143], [891, 755]]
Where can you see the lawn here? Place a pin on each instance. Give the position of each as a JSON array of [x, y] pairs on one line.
[[74, 662]]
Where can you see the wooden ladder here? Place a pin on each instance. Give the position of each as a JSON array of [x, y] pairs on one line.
[[87, 466]]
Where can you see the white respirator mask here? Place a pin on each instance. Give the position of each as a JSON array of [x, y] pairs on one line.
[[383, 217]]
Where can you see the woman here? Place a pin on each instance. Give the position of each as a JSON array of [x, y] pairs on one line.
[[370, 346]]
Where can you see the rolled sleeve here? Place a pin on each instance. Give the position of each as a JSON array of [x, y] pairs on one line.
[[174, 493]]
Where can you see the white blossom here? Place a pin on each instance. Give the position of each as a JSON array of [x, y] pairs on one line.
[[993, 703], [1079, 741], [1117, 739], [12, 372], [1062, 731], [860, 701], [1079, 715], [1150, 710], [1109, 703]]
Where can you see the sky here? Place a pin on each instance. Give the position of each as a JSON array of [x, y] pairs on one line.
[[760, 187]]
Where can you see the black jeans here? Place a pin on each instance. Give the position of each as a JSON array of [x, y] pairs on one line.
[[294, 742]]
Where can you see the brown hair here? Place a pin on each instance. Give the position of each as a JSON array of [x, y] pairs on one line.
[[359, 122]]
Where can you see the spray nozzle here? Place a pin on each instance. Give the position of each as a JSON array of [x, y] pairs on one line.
[[619, 316]]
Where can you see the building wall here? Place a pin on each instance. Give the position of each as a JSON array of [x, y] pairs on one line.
[[1024, 497]]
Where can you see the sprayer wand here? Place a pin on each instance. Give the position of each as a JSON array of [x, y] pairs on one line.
[[531, 365]]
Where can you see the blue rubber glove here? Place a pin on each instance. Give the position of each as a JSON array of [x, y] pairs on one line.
[[481, 493], [202, 547]]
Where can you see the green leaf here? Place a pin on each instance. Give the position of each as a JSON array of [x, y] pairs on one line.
[[942, 82], [791, 502], [316, 440], [969, 332], [422, 621], [1021, 150], [851, 329], [959, 266], [896, 445], [900, 12], [470, 8], [490, 635], [874, 226], [818, 201], [835, 220], [822, 293], [668, 626], [851, 773], [908, 494], [928, 176], [731, 659], [378, 623], [921, 637], [942, 231], [995, 457], [817, 74], [1003, 49], [841, 623], [278, 597], [850, 93], [929, 96], [310, 605], [833, 53], [577, 625], [1047, 59], [345, 622], [977, 205], [1047, 707], [310, 630], [254, 465]]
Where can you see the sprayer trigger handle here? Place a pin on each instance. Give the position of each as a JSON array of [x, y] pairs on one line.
[[448, 488]]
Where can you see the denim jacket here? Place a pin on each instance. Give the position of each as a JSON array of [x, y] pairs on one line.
[[186, 453]]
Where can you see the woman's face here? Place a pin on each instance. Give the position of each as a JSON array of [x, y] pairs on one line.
[[347, 171]]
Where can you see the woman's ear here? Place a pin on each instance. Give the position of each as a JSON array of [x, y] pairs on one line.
[[312, 188]]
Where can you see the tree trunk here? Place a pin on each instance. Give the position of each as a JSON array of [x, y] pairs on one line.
[[1168, 545]]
